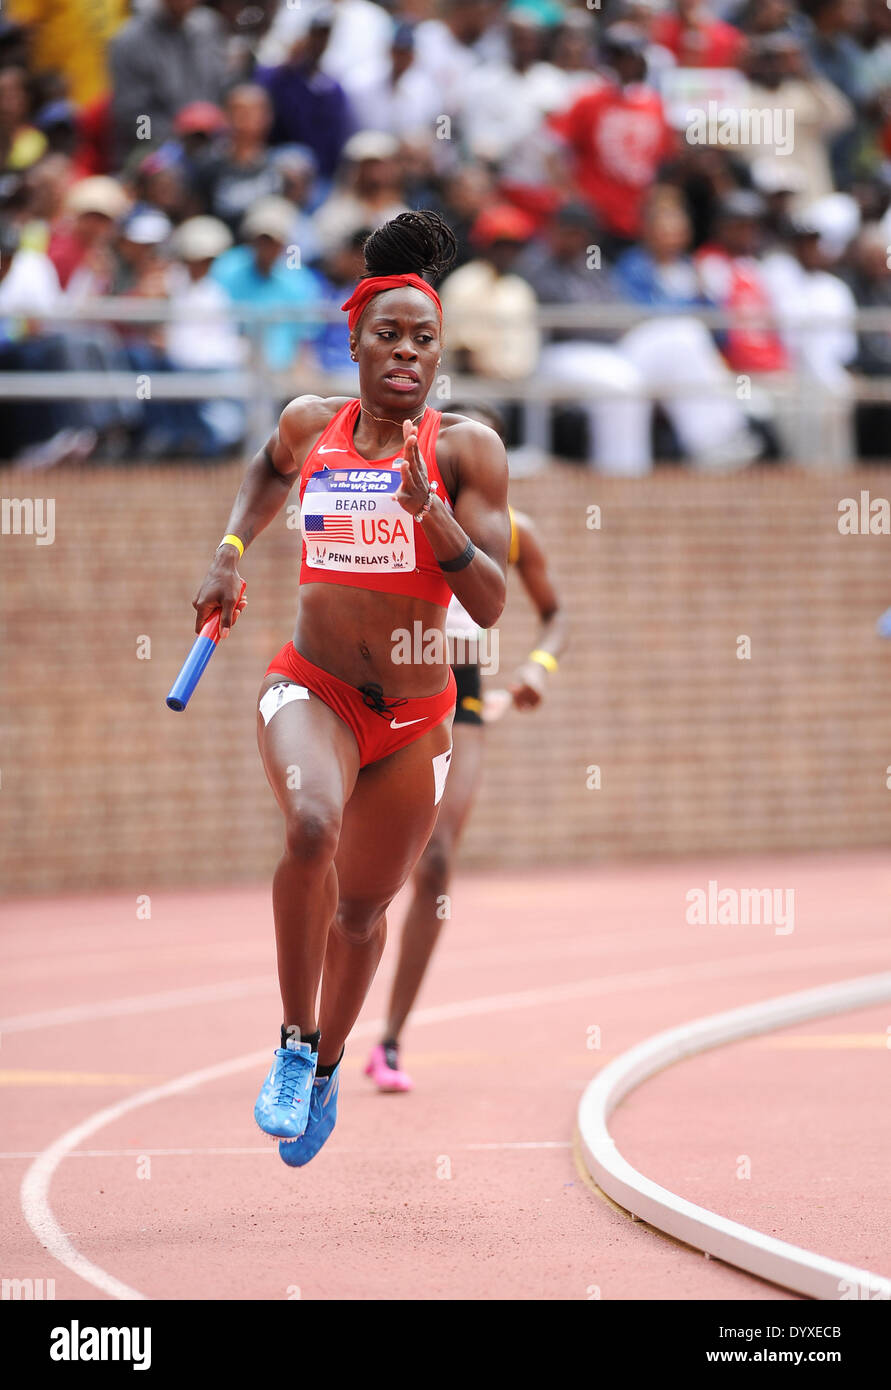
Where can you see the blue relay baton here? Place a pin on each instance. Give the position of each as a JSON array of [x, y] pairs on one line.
[[195, 664]]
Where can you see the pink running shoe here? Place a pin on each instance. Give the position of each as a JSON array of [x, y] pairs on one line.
[[383, 1068]]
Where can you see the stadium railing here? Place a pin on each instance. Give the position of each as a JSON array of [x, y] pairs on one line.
[[795, 394]]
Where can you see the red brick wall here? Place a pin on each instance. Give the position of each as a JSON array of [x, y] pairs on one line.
[[100, 785]]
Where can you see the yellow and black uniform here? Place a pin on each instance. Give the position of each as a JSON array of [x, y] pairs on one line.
[[464, 633]]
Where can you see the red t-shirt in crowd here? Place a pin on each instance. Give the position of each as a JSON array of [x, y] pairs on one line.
[[66, 252], [712, 44], [735, 283], [619, 137]]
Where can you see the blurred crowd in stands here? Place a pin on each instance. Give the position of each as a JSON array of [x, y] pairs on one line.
[[236, 156]]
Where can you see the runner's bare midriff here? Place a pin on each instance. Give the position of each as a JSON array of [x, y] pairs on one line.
[[349, 632]]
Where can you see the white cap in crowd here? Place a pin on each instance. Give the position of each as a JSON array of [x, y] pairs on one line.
[[201, 239], [147, 227], [272, 217], [98, 194], [370, 144]]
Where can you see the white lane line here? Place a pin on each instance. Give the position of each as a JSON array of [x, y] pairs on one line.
[[791, 1266], [268, 1150], [138, 1004], [34, 1193], [638, 979], [786, 959]]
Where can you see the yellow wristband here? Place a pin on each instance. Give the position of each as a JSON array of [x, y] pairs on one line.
[[233, 540], [544, 659]]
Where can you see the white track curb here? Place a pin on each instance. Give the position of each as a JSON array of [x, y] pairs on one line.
[[788, 1265]]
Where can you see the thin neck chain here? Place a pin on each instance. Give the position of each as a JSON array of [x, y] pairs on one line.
[[383, 419]]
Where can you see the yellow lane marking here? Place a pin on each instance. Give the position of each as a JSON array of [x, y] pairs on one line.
[[433, 1059], [418, 1060], [823, 1041], [71, 1078], [422, 1060]]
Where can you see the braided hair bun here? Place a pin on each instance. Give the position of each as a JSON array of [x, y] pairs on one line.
[[413, 243]]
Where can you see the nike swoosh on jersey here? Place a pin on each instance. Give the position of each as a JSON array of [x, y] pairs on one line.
[[329, 449], [403, 723]]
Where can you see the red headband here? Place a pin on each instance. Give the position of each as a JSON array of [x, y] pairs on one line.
[[376, 284]]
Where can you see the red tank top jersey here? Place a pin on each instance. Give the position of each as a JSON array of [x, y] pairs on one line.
[[354, 530]]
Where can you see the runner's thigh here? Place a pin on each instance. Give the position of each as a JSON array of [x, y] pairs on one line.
[[388, 819], [309, 755]]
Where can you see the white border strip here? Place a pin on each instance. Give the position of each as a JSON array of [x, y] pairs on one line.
[[138, 1004], [262, 984], [788, 1265]]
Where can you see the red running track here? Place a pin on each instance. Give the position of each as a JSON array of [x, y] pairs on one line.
[[468, 1187]]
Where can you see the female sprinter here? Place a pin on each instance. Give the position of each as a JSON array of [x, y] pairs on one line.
[[434, 869], [400, 508]]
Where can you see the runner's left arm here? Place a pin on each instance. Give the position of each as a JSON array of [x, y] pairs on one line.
[[480, 516]]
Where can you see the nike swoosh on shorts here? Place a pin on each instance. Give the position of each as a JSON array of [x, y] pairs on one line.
[[403, 723]]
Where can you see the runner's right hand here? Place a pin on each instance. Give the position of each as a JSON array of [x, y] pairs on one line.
[[219, 589]]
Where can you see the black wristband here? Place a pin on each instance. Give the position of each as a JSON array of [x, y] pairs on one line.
[[461, 562]]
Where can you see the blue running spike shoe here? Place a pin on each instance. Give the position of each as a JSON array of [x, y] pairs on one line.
[[322, 1119], [282, 1107]]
